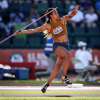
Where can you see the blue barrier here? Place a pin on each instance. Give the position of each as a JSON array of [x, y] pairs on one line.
[[22, 73], [1, 73]]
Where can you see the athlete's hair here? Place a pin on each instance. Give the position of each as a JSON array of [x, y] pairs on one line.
[[48, 16]]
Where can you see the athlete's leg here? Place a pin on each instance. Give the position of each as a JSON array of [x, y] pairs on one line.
[[63, 60], [53, 74], [56, 70], [66, 65], [57, 67], [60, 57]]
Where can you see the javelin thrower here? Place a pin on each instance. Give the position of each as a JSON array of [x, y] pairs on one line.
[[56, 26]]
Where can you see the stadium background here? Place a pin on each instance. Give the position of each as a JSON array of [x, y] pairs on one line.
[[15, 14]]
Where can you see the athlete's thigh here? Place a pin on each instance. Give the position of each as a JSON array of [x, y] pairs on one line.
[[60, 52]]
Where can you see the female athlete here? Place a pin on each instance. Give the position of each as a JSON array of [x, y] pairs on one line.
[[56, 26]]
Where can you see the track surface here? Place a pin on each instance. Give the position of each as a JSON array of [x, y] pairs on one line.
[[53, 91]]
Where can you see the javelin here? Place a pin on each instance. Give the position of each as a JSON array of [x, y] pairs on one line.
[[7, 38]]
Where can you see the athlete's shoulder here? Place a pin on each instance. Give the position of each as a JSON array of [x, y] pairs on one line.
[[48, 25], [66, 18]]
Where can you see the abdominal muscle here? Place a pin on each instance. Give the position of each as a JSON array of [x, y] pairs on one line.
[[61, 38]]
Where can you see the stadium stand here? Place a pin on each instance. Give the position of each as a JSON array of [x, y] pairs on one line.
[[14, 12]]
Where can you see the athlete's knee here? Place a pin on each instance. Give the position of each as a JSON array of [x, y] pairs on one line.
[[61, 55], [64, 56], [67, 55], [59, 62]]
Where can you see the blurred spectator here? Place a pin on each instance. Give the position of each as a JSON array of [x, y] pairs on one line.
[[68, 5], [25, 7], [77, 20], [3, 29], [14, 6], [41, 6], [58, 4], [91, 18], [22, 12], [11, 23], [4, 4], [85, 4], [14, 18], [11, 28], [83, 63], [50, 3], [34, 16], [19, 17], [97, 5]]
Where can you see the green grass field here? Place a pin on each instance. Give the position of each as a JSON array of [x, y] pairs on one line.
[[50, 92], [49, 98], [36, 82], [49, 95]]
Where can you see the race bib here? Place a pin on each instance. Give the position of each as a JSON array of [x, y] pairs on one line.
[[57, 30]]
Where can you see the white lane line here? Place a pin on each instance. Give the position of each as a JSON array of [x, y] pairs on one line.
[[49, 88]]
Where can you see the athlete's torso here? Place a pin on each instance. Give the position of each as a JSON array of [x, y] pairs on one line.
[[59, 31]]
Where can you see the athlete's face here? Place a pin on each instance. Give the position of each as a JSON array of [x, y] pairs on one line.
[[54, 15]]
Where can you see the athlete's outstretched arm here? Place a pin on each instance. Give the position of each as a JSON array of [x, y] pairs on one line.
[[32, 31], [73, 13]]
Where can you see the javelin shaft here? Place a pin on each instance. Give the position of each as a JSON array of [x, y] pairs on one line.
[[38, 19], [10, 36], [7, 38]]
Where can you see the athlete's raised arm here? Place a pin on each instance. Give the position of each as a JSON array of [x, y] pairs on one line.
[[32, 31], [73, 13]]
